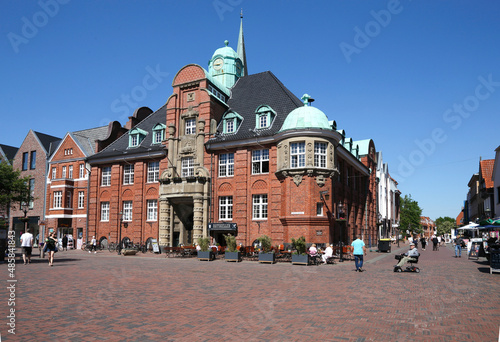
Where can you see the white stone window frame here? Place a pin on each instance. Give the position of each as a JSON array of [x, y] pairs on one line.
[[187, 167], [190, 126], [320, 154], [298, 154]]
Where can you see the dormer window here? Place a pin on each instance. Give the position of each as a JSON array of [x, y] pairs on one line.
[[264, 116], [158, 133], [231, 122], [136, 136]]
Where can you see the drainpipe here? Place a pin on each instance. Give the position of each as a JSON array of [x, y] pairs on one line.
[[89, 172]]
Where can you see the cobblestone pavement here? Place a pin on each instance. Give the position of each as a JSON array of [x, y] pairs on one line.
[[106, 297]]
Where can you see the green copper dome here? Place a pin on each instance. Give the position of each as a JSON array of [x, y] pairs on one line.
[[306, 117], [226, 51]]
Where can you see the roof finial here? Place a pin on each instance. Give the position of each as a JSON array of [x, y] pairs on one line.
[[226, 42], [241, 13]]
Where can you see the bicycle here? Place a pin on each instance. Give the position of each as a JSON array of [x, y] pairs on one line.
[[112, 247]]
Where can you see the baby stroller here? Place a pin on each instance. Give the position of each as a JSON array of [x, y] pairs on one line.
[[410, 268]]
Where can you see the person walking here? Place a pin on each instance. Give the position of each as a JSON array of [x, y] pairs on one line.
[[65, 242], [27, 246], [359, 250], [435, 242], [50, 245], [423, 242], [93, 245]]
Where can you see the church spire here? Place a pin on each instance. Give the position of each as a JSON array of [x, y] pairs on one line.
[[241, 47]]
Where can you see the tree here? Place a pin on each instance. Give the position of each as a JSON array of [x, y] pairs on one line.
[[410, 213], [444, 225], [14, 189]]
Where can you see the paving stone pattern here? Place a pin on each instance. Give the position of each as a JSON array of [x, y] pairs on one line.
[[106, 297]]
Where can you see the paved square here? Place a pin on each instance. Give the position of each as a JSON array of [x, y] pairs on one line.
[[105, 297]]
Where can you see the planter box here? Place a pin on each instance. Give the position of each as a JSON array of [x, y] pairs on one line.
[[129, 251], [298, 259], [232, 256], [267, 257], [206, 256]]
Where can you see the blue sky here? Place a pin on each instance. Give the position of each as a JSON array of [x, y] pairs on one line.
[[420, 78]]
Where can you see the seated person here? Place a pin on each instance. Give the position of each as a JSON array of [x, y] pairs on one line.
[[313, 250], [328, 253], [410, 255]]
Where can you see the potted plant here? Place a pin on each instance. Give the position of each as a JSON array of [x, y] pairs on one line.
[[299, 256], [231, 253], [266, 255], [205, 253]]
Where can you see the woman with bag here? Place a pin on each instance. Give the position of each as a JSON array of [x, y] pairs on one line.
[[50, 247]]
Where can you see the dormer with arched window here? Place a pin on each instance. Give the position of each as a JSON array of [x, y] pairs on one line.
[[158, 133], [136, 136], [264, 116], [231, 122]]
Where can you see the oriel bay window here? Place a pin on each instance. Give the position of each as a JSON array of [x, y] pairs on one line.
[[298, 154], [320, 154], [57, 199], [260, 161]]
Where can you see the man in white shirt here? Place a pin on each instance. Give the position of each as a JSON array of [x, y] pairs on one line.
[[27, 246]]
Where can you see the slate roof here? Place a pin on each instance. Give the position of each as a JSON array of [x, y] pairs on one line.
[[248, 94], [86, 138], [8, 151], [119, 147], [48, 142]]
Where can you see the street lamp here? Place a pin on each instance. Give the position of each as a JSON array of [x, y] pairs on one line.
[[120, 234], [24, 208], [341, 218]]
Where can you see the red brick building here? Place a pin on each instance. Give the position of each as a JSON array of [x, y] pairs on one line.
[[31, 159], [67, 181], [428, 226]]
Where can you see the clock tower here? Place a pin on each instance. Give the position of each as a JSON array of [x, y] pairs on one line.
[[227, 65]]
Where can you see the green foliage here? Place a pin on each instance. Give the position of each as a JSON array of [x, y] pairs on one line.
[[230, 243], [299, 245], [265, 242], [13, 188], [410, 213], [445, 227], [204, 242]]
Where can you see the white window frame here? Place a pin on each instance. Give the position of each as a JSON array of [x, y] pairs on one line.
[[82, 171], [57, 199], [81, 199], [128, 174], [63, 172], [54, 173], [226, 165], [153, 172], [106, 176], [158, 136], [190, 126], [259, 207], [127, 210], [225, 208], [134, 140], [230, 126], [259, 159], [320, 149], [187, 167], [298, 154], [319, 209], [152, 206], [105, 211], [70, 172]]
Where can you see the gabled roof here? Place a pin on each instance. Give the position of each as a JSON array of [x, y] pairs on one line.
[[248, 94], [86, 138], [49, 142], [487, 172], [8, 152], [119, 149]]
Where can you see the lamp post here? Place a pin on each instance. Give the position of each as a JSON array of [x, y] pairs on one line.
[[24, 209], [341, 218], [120, 234]]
